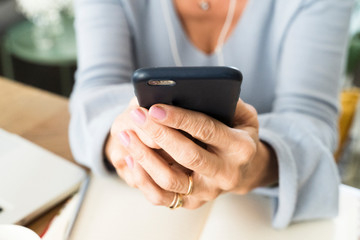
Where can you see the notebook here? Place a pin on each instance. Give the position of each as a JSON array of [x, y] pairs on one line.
[[32, 179], [112, 210]]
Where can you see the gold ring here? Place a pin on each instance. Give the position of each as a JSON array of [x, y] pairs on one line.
[[177, 202], [172, 204], [191, 184]]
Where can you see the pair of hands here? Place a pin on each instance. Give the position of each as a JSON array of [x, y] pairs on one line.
[[150, 153]]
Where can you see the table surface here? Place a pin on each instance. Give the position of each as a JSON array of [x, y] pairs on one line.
[[40, 117]]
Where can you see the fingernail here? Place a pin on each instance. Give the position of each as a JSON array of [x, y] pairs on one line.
[[124, 137], [129, 161], [138, 116], [157, 112]]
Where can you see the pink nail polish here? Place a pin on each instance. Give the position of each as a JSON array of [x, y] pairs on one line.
[[157, 112], [124, 137], [129, 161], [138, 116]]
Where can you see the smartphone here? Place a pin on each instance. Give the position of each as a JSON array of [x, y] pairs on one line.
[[210, 90]]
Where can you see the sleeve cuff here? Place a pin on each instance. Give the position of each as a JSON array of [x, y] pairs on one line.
[[285, 194], [90, 126]]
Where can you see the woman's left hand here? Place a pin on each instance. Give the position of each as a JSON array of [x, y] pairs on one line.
[[234, 159]]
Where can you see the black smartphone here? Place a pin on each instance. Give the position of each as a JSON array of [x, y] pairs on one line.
[[210, 90]]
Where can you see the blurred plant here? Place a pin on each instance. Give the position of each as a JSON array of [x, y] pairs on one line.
[[355, 19], [354, 54], [47, 18], [353, 60]]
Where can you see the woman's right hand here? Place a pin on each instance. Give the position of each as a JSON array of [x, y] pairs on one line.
[[116, 152], [131, 172]]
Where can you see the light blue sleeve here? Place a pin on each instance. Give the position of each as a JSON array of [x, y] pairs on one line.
[[302, 128], [102, 89]]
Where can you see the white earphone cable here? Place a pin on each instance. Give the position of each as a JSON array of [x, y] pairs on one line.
[[224, 32], [171, 33], [219, 44]]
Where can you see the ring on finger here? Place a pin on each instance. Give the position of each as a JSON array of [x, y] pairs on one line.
[[191, 185], [172, 204], [177, 201], [180, 201]]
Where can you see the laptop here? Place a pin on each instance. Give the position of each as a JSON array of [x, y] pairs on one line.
[[32, 179]]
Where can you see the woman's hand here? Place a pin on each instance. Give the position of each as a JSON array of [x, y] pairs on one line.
[[233, 161], [126, 168], [114, 150]]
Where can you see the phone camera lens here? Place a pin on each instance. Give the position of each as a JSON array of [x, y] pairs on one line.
[[161, 82]]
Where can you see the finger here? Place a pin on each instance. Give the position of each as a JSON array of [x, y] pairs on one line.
[[204, 190], [167, 178], [134, 102], [149, 188], [117, 155], [172, 162], [126, 175], [245, 114], [198, 125], [145, 138], [190, 203], [115, 152], [246, 118], [125, 122], [180, 148]]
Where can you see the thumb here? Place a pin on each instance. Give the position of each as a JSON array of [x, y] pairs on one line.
[[245, 115]]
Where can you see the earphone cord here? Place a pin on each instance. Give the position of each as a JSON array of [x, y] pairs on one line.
[[224, 32], [219, 45], [171, 33]]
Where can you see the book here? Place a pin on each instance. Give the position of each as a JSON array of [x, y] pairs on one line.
[[113, 210], [32, 179], [14, 232]]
